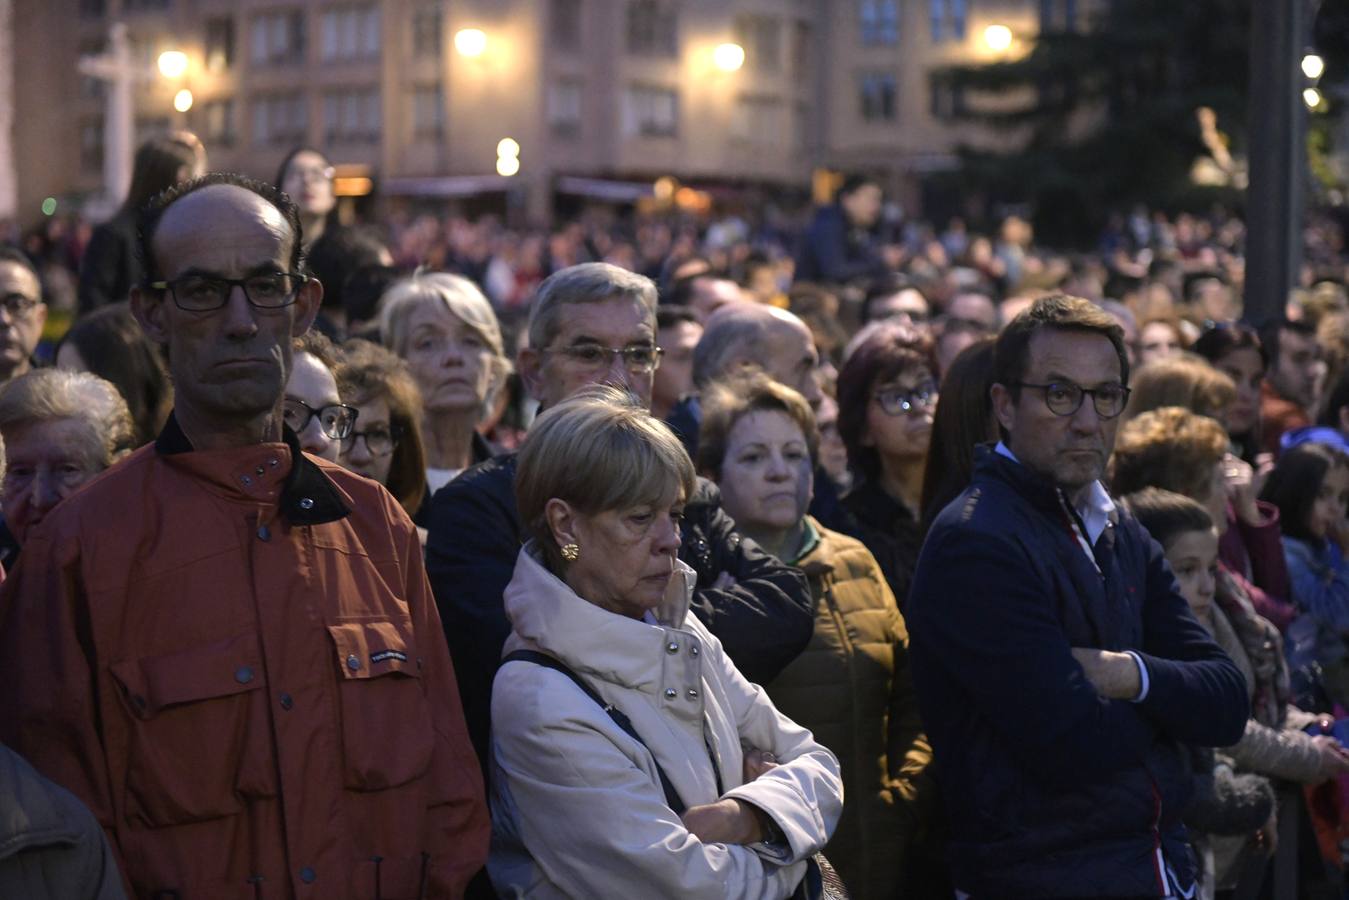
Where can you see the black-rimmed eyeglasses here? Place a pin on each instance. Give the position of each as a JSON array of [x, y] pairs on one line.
[[203, 293], [336, 420], [1065, 398], [378, 441], [895, 401]]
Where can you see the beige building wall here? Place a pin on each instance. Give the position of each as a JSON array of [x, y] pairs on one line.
[[583, 107]]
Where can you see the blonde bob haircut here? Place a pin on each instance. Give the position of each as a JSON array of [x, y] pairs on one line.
[[729, 400], [46, 395], [598, 451], [1184, 380], [1169, 448]]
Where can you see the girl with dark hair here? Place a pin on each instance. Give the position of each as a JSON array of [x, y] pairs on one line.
[[111, 264], [1235, 350], [307, 176], [1310, 486], [964, 419], [109, 343], [886, 394]]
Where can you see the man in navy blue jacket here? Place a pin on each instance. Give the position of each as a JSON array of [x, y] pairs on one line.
[[1057, 666]]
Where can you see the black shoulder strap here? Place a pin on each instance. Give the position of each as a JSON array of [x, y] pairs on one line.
[[672, 798]]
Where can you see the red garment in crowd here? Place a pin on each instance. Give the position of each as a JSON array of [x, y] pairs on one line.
[[240, 668], [1277, 416]]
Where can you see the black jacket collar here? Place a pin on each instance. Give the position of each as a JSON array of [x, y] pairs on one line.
[[308, 496]]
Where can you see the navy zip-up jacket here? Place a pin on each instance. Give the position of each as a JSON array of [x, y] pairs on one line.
[[1051, 790]]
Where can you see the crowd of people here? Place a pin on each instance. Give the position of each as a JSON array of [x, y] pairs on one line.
[[657, 557]]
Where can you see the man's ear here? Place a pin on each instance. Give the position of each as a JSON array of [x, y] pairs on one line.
[[40, 316], [308, 299], [1004, 407], [561, 519], [529, 363], [148, 309]]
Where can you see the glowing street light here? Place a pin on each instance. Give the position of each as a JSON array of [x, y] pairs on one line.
[[1312, 97], [172, 63], [182, 101], [508, 157], [470, 42], [508, 147], [1313, 66], [729, 57], [997, 38]]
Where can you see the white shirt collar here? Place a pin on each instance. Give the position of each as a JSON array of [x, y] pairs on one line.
[[1094, 507]]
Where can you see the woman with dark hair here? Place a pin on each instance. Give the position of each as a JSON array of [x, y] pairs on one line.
[[886, 394], [307, 176], [963, 420], [388, 444], [109, 343], [111, 264], [1235, 350]]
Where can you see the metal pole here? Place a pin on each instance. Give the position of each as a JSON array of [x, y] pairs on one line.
[[1277, 158]]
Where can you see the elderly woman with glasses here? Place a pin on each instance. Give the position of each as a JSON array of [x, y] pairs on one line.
[[60, 429], [388, 445], [631, 758], [887, 392], [851, 685], [445, 329]]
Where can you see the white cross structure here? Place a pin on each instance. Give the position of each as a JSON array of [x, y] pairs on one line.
[[116, 67]]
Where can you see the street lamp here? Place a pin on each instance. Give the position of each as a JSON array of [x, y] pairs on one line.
[[1313, 66], [172, 64], [1312, 97], [997, 38], [729, 57], [470, 42], [182, 101], [508, 157]]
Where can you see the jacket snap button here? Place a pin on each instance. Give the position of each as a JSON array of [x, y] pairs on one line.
[[286, 701], [694, 650], [273, 463], [264, 533], [671, 693], [353, 662], [307, 875], [259, 471], [672, 647], [243, 674], [306, 503], [246, 480], [693, 693]]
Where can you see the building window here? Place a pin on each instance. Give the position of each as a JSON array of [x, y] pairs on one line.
[[92, 9], [878, 93], [144, 5], [218, 119], [142, 53], [948, 20], [758, 120], [761, 36], [947, 100], [278, 37], [428, 32], [650, 112], [880, 22], [280, 119], [148, 127], [1058, 15], [91, 144], [652, 28], [219, 44], [351, 116], [802, 36], [564, 24], [349, 33], [428, 112], [564, 107]]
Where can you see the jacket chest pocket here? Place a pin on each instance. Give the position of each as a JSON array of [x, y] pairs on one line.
[[199, 734], [387, 735]]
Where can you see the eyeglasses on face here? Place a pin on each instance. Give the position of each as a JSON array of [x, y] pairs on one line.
[[379, 441], [894, 401], [1065, 398], [203, 293], [18, 305], [336, 420], [638, 359]]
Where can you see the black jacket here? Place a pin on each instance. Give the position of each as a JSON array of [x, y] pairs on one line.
[[474, 537], [111, 266], [888, 529], [835, 252], [1051, 790]]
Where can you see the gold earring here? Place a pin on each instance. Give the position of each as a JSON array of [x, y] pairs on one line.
[[571, 552]]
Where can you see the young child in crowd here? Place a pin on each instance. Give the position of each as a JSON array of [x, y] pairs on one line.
[[1310, 486]]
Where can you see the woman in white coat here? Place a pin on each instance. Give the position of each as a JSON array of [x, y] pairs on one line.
[[686, 782]]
